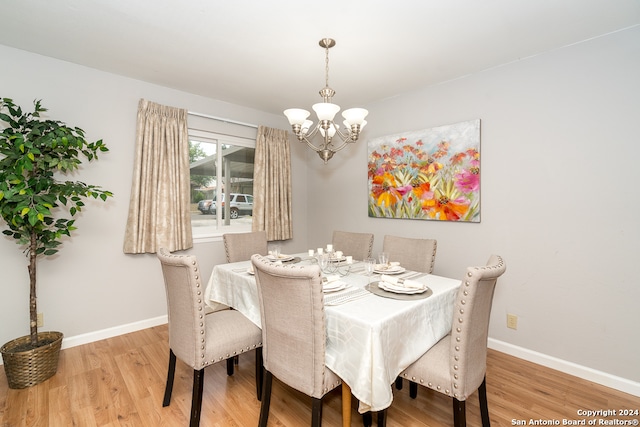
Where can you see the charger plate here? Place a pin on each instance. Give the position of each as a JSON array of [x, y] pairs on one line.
[[376, 290]]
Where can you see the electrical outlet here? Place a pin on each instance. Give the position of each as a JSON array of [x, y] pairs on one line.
[[40, 320], [512, 321]]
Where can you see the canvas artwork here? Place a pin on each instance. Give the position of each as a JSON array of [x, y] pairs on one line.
[[431, 174]]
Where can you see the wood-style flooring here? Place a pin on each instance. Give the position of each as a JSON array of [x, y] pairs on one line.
[[120, 382]]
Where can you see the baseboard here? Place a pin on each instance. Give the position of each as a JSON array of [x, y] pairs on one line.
[[599, 377], [76, 340]]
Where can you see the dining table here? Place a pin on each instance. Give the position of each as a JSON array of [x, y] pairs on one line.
[[372, 334]]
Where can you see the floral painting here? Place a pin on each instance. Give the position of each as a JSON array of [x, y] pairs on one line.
[[432, 174]]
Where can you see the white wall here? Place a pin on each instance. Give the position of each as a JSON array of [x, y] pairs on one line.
[[559, 156], [91, 285]]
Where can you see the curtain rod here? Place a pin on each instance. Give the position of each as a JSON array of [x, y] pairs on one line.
[[235, 122]]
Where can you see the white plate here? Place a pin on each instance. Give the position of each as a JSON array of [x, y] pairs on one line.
[[334, 287], [390, 287], [396, 269], [281, 257]]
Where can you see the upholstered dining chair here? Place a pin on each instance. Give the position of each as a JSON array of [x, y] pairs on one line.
[[456, 366], [293, 333], [413, 254], [200, 339], [240, 246], [358, 245]]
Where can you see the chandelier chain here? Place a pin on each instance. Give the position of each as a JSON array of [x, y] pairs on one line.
[[326, 70]]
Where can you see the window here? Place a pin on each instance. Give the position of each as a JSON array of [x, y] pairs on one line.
[[221, 170]]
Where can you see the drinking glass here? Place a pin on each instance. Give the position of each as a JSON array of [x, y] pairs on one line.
[[323, 261], [276, 251], [369, 266], [384, 258]]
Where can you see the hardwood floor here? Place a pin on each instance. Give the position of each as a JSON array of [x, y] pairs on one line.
[[120, 382]]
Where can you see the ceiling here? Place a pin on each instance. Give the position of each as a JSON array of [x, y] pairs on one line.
[[265, 54]]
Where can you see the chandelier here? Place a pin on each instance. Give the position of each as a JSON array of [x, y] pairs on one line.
[[329, 131]]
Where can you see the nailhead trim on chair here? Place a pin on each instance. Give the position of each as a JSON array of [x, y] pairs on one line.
[[458, 330], [433, 255], [227, 356]]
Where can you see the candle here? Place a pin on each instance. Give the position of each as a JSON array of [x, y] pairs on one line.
[[349, 259], [320, 251], [310, 252], [339, 254], [329, 247]]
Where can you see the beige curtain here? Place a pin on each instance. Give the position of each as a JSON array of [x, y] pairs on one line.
[[159, 206], [272, 184]]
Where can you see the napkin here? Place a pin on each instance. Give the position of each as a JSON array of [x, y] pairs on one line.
[[278, 258], [330, 278], [389, 266], [402, 283], [332, 282]]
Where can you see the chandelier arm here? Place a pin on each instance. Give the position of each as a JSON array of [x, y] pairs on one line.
[[308, 137], [311, 133], [313, 147], [343, 145], [343, 136]]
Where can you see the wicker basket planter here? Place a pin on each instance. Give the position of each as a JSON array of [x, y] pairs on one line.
[[28, 368]]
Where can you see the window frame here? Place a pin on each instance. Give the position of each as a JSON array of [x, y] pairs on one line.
[[219, 139]]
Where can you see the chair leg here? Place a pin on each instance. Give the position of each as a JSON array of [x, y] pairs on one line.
[[196, 397], [484, 406], [230, 362], [367, 419], [413, 389], [398, 383], [459, 413], [266, 399], [171, 373], [316, 412], [259, 373], [382, 418]]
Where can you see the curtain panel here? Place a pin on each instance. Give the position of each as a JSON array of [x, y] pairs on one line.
[[159, 214], [272, 184]]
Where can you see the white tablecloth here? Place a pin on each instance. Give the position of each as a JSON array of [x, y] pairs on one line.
[[370, 340]]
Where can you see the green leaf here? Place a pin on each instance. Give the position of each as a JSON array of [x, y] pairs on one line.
[[33, 218]]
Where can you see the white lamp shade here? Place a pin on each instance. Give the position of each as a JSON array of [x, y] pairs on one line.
[[332, 130], [306, 126], [326, 110], [296, 116], [348, 126], [355, 116]]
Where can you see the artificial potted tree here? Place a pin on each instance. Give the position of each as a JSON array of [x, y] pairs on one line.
[[38, 210]]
